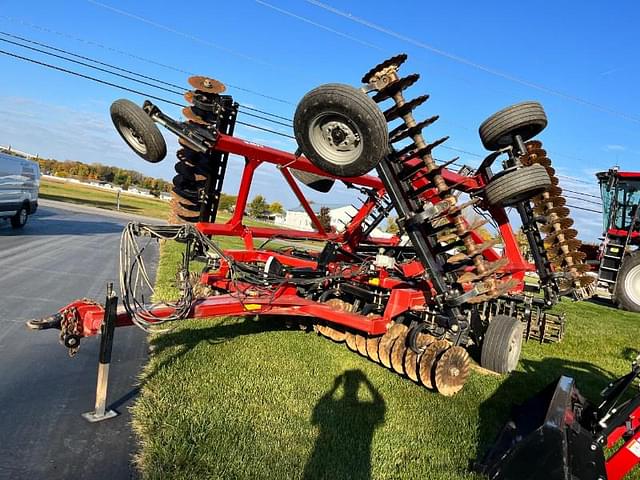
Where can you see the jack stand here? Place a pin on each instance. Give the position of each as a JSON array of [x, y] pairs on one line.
[[106, 343]]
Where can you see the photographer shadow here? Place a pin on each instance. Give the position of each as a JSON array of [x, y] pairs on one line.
[[347, 423]]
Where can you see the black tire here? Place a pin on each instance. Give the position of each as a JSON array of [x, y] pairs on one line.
[[341, 130], [517, 185], [626, 293], [311, 180], [526, 119], [19, 220], [502, 344], [138, 130]]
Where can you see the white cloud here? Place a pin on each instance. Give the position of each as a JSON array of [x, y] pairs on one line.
[[615, 147]]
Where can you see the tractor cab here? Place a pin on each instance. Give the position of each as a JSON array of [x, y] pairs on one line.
[[620, 192], [619, 269]]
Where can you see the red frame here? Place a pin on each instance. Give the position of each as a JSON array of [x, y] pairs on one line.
[[285, 301], [624, 459], [255, 154]]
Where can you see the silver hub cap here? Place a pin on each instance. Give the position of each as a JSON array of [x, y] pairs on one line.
[[335, 138], [632, 285], [23, 216], [134, 139]]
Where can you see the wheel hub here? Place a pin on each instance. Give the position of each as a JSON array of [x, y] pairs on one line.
[[134, 139], [335, 138], [340, 136]]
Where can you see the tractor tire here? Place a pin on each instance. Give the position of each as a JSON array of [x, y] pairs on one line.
[[502, 344], [626, 293], [341, 130], [526, 119], [138, 130], [311, 180], [517, 185], [19, 220]]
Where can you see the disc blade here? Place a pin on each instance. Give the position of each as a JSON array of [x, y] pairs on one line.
[[372, 348], [350, 339], [336, 335], [395, 61], [395, 87], [361, 345], [384, 348], [428, 360], [398, 351], [206, 84], [411, 358], [190, 115], [452, 371]]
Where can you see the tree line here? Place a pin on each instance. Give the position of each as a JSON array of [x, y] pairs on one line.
[[124, 178]]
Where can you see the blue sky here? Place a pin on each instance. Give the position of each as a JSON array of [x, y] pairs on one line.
[[578, 58]]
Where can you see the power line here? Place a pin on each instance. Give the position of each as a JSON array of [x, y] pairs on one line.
[[94, 67], [181, 93], [121, 87], [264, 129], [578, 180], [66, 52], [319, 25], [583, 200], [137, 92], [470, 63], [136, 57], [243, 107], [180, 33], [267, 119], [585, 209], [581, 193], [88, 77], [266, 113]]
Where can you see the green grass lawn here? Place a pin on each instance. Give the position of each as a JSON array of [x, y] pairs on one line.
[[246, 398], [100, 198], [97, 197]]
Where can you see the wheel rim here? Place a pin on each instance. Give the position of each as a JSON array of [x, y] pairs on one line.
[[23, 216], [133, 139], [632, 285], [336, 138], [514, 351]]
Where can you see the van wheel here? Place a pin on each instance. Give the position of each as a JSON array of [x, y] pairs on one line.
[[19, 220]]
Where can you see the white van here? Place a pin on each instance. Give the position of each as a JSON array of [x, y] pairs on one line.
[[19, 184]]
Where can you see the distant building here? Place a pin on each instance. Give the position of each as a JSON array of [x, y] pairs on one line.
[[298, 219]]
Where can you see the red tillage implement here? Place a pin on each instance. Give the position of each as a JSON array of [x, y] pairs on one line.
[[414, 301]]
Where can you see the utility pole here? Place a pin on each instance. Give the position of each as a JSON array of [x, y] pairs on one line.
[[118, 200]]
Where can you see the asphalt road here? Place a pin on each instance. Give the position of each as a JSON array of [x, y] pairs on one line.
[[61, 254]]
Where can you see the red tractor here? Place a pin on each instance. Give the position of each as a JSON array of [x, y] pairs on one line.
[[619, 261], [416, 302]]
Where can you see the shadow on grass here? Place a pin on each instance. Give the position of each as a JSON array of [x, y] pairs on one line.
[[519, 386], [602, 301], [347, 424], [187, 339]]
